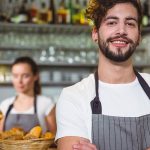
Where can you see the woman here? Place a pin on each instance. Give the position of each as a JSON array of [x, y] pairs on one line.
[[28, 108]]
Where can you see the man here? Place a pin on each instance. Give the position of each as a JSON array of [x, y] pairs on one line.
[[109, 110]]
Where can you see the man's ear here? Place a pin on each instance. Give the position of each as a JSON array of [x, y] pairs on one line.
[[95, 35]]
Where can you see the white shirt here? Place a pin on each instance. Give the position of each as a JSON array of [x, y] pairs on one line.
[[44, 106], [73, 111]]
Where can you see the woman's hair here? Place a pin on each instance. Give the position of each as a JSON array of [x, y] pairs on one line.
[[97, 9], [34, 68]]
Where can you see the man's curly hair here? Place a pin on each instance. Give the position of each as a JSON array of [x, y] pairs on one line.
[[97, 9]]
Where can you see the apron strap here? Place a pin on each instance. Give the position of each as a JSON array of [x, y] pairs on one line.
[[11, 106], [143, 84], [7, 113], [95, 103], [35, 104]]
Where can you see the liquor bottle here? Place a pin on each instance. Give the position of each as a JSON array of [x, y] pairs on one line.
[[61, 13], [145, 14], [10, 8], [51, 12], [23, 15], [76, 13], [148, 12], [83, 19], [69, 12], [33, 12], [43, 14]]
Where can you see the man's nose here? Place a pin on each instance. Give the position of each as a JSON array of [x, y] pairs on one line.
[[122, 30]]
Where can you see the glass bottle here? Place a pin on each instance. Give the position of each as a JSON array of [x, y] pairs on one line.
[[76, 13], [61, 13], [51, 12]]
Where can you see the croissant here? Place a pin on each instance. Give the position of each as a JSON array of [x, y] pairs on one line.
[[48, 135]]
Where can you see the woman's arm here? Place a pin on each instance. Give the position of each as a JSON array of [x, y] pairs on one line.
[[1, 124], [51, 120]]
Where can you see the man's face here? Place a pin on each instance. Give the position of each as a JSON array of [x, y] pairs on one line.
[[118, 34]]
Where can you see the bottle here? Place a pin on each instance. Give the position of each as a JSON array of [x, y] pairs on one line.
[[145, 14], [83, 19], [148, 12], [23, 15], [76, 13], [61, 13], [51, 12], [43, 14], [10, 8], [69, 12], [33, 12]]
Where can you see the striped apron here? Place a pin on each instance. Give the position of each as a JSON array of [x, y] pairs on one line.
[[119, 133], [24, 121]]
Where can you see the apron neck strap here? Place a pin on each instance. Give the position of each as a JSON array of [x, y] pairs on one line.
[[96, 83], [95, 103], [35, 104], [11, 106], [7, 113], [143, 84]]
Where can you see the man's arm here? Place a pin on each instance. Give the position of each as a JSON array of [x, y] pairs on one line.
[[66, 143]]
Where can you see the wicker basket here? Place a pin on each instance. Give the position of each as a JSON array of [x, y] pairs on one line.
[[34, 144]]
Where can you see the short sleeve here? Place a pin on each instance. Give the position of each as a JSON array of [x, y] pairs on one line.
[[70, 117], [50, 105], [45, 105], [5, 104]]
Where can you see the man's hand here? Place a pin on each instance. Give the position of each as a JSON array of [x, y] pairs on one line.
[[84, 145]]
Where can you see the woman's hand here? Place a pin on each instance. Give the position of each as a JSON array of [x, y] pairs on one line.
[[84, 145]]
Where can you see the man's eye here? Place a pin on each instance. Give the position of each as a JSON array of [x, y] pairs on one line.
[[131, 24], [111, 23]]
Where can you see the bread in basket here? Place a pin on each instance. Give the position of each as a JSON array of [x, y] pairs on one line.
[[17, 139]]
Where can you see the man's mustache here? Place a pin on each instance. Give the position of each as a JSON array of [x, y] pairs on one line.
[[120, 36]]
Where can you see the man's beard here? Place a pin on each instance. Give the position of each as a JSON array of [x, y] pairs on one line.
[[118, 56]]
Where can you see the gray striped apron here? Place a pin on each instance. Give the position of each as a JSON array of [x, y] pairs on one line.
[[24, 121], [119, 133]]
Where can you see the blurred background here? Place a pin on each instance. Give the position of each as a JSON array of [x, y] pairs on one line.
[[56, 34]]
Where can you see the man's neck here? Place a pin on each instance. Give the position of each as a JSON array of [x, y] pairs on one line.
[[116, 73]]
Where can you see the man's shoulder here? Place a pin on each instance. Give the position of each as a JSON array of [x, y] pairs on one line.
[[146, 77], [82, 91], [83, 87]]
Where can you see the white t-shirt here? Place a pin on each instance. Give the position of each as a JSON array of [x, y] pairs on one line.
[[44, 106], [73, 111]]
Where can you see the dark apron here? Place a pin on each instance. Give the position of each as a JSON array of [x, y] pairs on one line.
[[119, 133], [24, 121]]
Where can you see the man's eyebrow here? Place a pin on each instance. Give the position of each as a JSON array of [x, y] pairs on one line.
[[132, 18], [111, 17], [116, 18]]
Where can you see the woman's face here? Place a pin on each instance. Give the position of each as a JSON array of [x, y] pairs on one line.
[[23, 78]]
